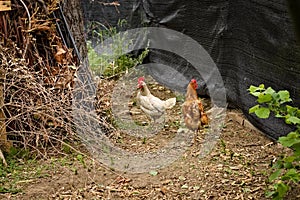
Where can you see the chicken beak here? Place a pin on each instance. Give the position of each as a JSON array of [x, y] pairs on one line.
[[140, 85]]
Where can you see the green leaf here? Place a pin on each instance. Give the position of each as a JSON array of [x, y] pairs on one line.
[[293, 120], [282, 189], [274, 175], [253, 88], [262, 112], [288, 165], [278, 115], [284, 96], [297, 153], [278, 164], [289, 159], [270, 194], [269, 90], [253, 109], [261, 86], [289, 140], [296, 148], [263, 98], [256, 94], [276, 97], [291, 174], [255, 91], [291, 110]]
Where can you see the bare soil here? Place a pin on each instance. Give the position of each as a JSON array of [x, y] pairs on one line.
[[237, 167]]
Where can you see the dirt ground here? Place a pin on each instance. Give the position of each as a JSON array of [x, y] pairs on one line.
[[236, 168]]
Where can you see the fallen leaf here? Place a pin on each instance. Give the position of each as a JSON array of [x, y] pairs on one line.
[[153, 173], [184, 186]]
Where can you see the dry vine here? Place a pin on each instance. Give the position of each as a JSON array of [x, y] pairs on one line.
[[39, 77]]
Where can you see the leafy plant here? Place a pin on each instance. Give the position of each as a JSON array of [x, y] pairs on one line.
[[118, 60], [286, 170]]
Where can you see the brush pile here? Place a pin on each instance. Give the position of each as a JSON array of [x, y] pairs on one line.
[[38, 77]]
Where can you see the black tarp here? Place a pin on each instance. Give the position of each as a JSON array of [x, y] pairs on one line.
[[251, 42]]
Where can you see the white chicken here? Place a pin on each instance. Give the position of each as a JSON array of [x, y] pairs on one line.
[[151, 105]]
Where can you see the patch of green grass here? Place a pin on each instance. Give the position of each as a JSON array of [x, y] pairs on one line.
[[24, 167], [20, 163]]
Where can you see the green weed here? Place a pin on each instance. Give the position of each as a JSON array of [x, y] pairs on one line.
[[286, 171], [118, 60]]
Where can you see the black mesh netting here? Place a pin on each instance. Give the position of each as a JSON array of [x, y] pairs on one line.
[[251, 42]]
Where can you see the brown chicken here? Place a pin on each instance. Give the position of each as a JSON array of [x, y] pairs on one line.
[[192, 109], [151, 105]]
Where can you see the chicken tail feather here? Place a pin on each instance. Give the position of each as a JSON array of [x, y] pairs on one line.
[[204, 119], [169, 103]]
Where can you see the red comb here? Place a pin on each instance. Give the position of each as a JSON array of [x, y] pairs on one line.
[[194, 82], [141, 79]]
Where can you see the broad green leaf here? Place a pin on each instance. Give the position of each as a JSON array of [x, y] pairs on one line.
[[284, 96], [256, 94], [296, 148], [288, 165], [297, 152], [291, 110], [282, 189], [274, 175], [276, 97], [253, 88], [256, 90], [291, 174], [270, 90], [278, 164], [263, 98], [262, 112], [253, 109], [289, 159], [289, 140], [293, 120]]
